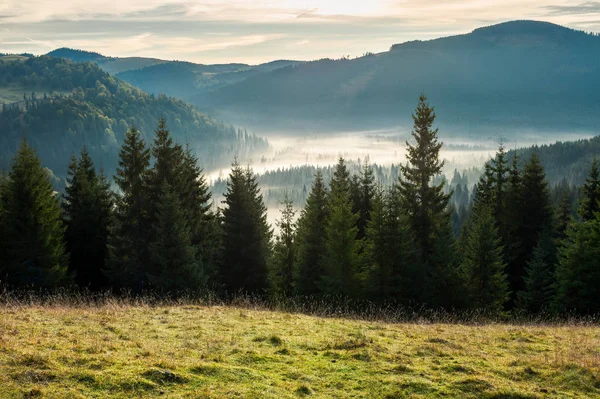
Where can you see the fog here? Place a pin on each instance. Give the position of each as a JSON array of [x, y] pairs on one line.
[[384, 147]]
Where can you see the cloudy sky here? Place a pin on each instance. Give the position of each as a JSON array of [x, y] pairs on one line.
[[213, 31]]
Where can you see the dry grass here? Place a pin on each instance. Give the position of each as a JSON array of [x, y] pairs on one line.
[[189, 351]]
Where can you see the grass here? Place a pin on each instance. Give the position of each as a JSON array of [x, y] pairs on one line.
[[188, 351], [14, 93]]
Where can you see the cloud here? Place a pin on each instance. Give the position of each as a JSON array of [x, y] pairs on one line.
[[590, 7]]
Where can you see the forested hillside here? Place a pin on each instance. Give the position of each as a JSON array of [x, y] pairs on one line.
[[174, 78], [517, 74], [95, 109]]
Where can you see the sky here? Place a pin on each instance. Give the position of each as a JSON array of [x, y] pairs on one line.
[[219, 31]]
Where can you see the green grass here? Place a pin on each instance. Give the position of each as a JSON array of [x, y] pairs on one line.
[[121, 351]]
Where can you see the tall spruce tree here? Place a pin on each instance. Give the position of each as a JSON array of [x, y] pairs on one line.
[[389, 252], [590, 201], [129, 255], [578, 270], [175, 268], [309, 239], [425, 203], [32, 245], [284, 251], [246, 234], [341, 259], [539, 278], [483, 264], [365, 203], [536, 216], [88, 207], [196, 199]]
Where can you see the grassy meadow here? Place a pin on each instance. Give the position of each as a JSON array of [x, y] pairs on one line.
[[187, 351]]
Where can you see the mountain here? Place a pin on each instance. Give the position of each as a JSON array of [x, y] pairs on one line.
[[512, 76], [66, 105], [174, 78]]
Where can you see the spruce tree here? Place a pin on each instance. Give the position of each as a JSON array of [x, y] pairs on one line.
[[578, 270], [129, 256], [175, 268], [246, 234], [483, 265], [425, 203], [563, 218], [539, 278], [33, 249], [284, 251], [590, 201], [196, 200], [365, 203], [341, 259], [536, 216], [389, 252], [87, 208], [309, 241]]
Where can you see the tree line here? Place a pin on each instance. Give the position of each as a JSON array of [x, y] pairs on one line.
[[514, 251]]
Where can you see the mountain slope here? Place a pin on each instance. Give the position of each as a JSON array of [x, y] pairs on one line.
[[174, 78], [517, 74], [96, 113]]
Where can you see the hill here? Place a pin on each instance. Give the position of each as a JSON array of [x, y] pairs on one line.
[[174, 78], [96, 113], [521, 74], [121, 351]]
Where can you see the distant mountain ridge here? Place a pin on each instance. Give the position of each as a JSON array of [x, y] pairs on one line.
[[181, 79], [516, 75]]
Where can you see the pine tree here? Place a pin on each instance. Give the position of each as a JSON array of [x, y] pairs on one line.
[[536, 216], [168, 157], [590, 202], [129, 256], [483, 265], [246, 234], [196, 198], [389, 252], [341, 260], [87, 207], [424, 203], [539, 278], [340, 184], [32, 230], [578, 270], [563, 218], [175, 268], [284, 251], [365, 203], [310, 235]]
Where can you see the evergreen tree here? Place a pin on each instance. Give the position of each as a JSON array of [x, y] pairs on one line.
[[168, 158], [129, 257], [310, 235], [578, 270], [246, 234], [425, 204], [341, 260], [389, 252], [365, 199], [32, 244], [196, 198], [483, 265], [340, 184], [284, 251], [539, 278], [87, 207], [590, 202], [536, 216], [175, 268], [563, 218]]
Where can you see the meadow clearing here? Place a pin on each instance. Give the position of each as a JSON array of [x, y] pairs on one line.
[[118, 350]]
